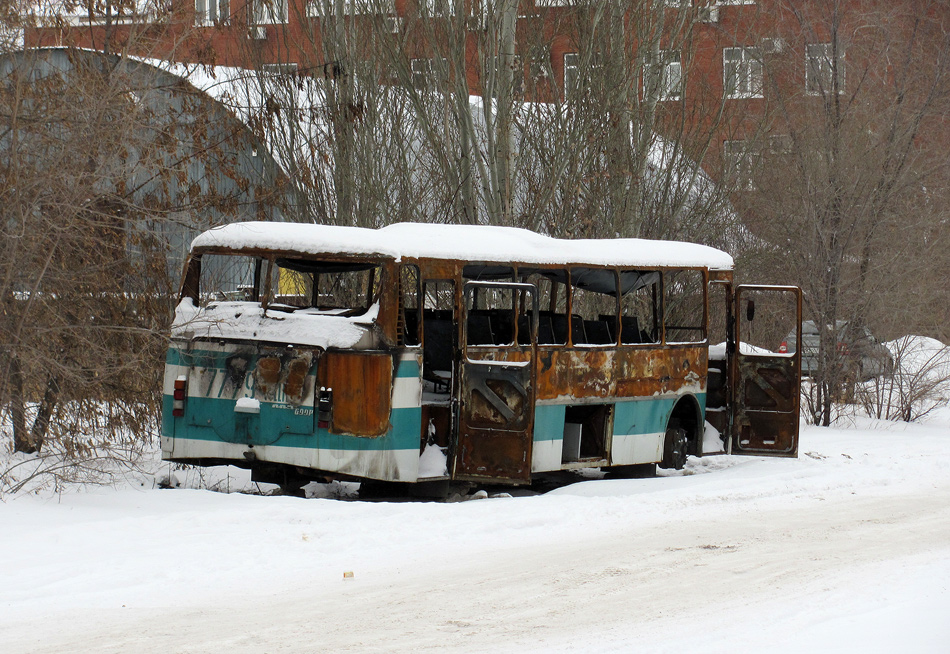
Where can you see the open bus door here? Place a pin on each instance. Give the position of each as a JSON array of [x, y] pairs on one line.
[[766, 386], [496, 382]]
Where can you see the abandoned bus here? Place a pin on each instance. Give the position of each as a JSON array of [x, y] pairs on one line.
[[446, 353]]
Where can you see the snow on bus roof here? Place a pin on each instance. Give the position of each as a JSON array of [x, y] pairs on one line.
[[465, 242]]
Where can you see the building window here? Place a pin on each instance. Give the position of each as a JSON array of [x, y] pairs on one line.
[[572, 72], [318, 8], [212, 12], [739, 160], [821, 69], [268, 12], [430, 73], [742, 73], [663, 79], [439, 7]]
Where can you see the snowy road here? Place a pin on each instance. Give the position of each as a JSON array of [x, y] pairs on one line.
[[844, 549]]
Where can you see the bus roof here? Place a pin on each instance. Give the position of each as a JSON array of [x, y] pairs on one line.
[[460, 242]]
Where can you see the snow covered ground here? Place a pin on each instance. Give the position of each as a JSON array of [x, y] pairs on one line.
[[845, 549]]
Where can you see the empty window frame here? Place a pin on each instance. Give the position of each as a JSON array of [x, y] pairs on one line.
[[231, 278], [552, 304], [490, 311], [684, 306], [742, 73], [639, 307], [410, 314], [594, 306], [344, 289], [824, 69]]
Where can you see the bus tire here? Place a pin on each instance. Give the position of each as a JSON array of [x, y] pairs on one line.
[[674, 448]]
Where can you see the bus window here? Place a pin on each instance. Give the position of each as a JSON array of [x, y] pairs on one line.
[[552, 304], [640, 292], [593, 306], [409, 305], [326, 287], [229, 278], [491, 311], [491, 316], [684, 307]]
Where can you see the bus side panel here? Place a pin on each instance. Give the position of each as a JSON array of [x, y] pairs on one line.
[[204, 432], [625, 372], [548, 437]]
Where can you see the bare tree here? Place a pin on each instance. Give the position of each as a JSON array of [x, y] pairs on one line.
[[845, 178], [107, 166]]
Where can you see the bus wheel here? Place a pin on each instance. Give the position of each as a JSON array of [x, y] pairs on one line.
[[674, 448]]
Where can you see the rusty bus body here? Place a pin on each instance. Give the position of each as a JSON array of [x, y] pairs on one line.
[[439, 353]]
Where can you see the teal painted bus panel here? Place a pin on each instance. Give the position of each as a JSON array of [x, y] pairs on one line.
[[549, 422], [648, 415], [406, 368], [271, 427]]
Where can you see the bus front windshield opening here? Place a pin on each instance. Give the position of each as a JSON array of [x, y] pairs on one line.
[[334, 288]]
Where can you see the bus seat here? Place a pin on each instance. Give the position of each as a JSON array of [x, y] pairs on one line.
[[501, 326], [629, 330], [479, 330], [611, 322], [559, 326], [546, 330], [577, 330], [524, 330], [597, 332]]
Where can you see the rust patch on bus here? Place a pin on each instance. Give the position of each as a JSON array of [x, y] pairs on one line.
[[619, 372], [362, 391]]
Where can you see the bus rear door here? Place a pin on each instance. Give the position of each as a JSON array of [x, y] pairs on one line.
[[766, 387], [496, 382]]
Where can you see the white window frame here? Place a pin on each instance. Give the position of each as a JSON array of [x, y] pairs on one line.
[[439, 7], [819, 69], [667, 73], [212, 12], [742, 73], [321, 8], [740, 161], [268, 12], [572, 62]]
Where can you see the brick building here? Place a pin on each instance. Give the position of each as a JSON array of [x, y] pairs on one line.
[[744, 70]]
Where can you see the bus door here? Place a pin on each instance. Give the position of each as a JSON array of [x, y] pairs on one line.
[[765, 384], [496, 388]]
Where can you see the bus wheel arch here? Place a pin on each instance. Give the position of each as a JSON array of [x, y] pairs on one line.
[[682, 433]]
